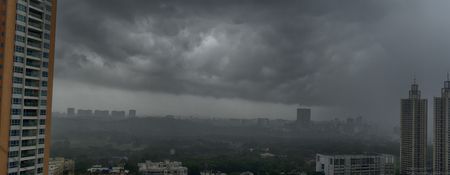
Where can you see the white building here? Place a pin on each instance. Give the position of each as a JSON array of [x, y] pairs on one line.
[[379, 164], [61, 166], [162, 168], [100, 170]]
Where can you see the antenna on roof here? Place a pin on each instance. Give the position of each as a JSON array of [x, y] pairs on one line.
[[448, 76], [414, 78]]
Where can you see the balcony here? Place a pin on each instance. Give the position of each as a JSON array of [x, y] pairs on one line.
[[29, 132], [35, 33], [34, 53], [31, 103], [26, 163], [31, 92], [30, 112], [29, 123], [32, 73], [36, 14], [32, 83], [28, 153], [34, 24], [33, 63], [34, 45], [37, 5]]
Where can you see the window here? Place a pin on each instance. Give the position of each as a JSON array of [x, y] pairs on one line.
[[18, 69], [44, 83], [21, 7], [41, 141], [17, 90], [46, 54], [18, 59], [20, 39], [42, 122], [43, 102], [43, 112], [46, 36], [45, 64], [43, 93], [20, 49], [41, 131], [44, 74], [17, 101], [47, 45], [18, 80], [16, 112], [15, 122], [21, 18], [20, 28], [14, 133], [40, 150], [13, 154], [14, 143], [40, 170], [13, 164]]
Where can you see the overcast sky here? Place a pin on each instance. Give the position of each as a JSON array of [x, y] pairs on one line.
[[250, 58]]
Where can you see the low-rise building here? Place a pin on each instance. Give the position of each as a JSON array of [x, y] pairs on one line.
[[100, 170], [162, 168], [380, 164], [61, 166]]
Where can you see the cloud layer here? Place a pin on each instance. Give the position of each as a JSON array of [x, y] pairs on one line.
[[355, 55]]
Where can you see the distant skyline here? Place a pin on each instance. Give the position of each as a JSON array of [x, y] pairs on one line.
[[250, 59]]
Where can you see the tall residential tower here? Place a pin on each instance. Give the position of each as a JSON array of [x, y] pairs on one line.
[[441, 131], [413, 137], [27, 35]]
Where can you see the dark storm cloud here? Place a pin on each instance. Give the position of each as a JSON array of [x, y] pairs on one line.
[[355, 55], [279, 51]]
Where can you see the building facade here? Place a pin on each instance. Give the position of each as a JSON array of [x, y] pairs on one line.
[[413, 133], [27, 35], [376, 164], [303, 115], [132, 113], [162, 168], [61, 166], [441, 131]]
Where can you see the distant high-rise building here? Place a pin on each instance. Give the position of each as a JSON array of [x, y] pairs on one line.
[[27, 35], [84, 113], [413, 136], [303, 115], [70, 112], [379, 164], [441, 131], [132, 113], [118, 114], [101, 113]]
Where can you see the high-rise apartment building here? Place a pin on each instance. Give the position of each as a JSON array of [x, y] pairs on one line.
[[27, 35], [303, 115], [70, 112], [441, 131], [413, 136]]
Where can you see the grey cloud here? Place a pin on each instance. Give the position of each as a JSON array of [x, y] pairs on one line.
[[357, 55]]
